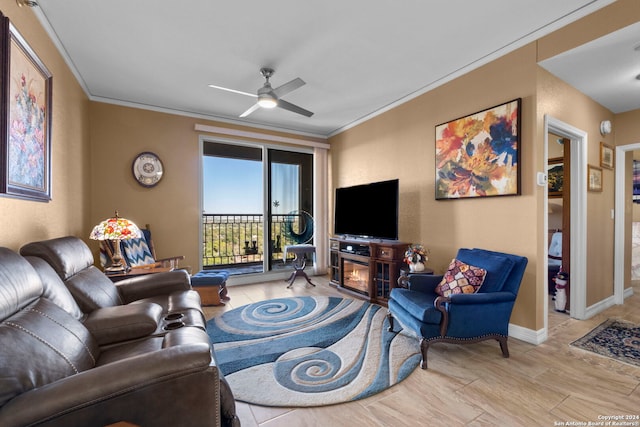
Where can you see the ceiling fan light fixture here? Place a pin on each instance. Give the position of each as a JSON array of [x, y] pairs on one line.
[[267, 101], [28, 3]]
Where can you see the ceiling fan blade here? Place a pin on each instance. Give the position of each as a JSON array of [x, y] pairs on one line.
[[234, 91], [293, 108], [289, 87], [253, 108]]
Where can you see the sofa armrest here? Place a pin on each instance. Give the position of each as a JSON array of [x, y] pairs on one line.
[[161, 388], [423, 282], [150, 285], [110, 325]]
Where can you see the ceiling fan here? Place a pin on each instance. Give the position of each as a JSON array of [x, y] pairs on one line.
[[269, 97]]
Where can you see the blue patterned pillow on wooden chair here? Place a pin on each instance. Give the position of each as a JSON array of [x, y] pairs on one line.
[[137, 252]]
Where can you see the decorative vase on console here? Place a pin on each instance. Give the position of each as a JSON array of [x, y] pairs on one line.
[[416, 267], [415, 256]]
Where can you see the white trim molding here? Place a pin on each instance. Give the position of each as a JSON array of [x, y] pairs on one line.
[[578, 262], [260, 136], [527, 335], [619, 291]]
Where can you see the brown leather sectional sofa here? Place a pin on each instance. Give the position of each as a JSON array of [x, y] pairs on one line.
[[79, 350]]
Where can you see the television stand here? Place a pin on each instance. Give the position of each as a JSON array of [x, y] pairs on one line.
[[366, 269]]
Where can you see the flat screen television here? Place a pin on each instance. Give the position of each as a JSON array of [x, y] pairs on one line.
[[367, 211]]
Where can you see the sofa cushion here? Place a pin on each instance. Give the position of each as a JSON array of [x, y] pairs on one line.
[[498, 267], [67, 255], [461, 278], [19, 284], [54, 288], [47, 344], [93, 290], [417, 304]]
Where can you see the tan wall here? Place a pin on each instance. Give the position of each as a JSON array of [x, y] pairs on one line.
[[92, 164], [171, 208], [401, 144], [607, 20], [565, 103], [23, 221]]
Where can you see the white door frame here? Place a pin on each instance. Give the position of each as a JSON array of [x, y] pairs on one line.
[[578, 262], [619, 225]]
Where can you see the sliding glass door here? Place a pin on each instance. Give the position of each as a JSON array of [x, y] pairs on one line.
[[247, 190], [290, 199]]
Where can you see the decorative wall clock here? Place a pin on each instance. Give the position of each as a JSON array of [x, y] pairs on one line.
[[147, 169]]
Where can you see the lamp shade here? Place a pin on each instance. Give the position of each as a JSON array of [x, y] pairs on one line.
[[115, 228]]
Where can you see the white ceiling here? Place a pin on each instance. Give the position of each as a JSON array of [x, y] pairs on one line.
[[604, 69], [358, 57]]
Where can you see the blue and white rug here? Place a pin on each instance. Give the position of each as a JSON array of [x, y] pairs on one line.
[[310, 351]]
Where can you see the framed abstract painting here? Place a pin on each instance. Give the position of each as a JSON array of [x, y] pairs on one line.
[[479, 155], [25, 122]]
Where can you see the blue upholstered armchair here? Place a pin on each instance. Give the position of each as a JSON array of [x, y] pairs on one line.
[[461, 317]]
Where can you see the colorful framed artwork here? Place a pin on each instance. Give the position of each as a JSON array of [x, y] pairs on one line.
[[594, 178], [606, 156], [479, 155], [555, 176], [25, 122]]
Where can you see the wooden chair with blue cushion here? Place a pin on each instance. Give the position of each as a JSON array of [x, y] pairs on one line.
[[471, 302], [138, 253]]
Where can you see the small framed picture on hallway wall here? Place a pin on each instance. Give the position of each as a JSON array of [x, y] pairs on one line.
[[606, 156], [25, 127], [594, 178]]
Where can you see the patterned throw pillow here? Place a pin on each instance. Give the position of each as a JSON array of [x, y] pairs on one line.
[[137, 252], [461, 278]]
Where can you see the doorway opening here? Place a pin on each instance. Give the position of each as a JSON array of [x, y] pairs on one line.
[[577, 141], [559, 225], [622, 243]]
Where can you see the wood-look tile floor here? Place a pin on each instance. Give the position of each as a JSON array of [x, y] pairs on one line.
[[472, 385]]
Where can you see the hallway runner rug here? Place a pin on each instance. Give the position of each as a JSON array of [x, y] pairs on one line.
[[310, 351], [613, 338]]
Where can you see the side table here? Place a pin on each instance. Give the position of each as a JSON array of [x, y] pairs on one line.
[[299, 262], [405, 273], [116, 277]]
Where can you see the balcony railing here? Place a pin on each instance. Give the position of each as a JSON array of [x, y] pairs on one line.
[[236, 239]]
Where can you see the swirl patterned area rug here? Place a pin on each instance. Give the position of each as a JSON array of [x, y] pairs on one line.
[[310, 351], [613, 338]]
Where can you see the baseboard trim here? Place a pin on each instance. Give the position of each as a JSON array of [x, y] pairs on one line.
[[527, 335]]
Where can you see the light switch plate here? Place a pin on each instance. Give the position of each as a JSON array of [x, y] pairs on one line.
[[541, 179]]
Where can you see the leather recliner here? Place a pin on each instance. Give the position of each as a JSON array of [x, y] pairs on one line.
[[53, 371], [108, 324], [73, 261]]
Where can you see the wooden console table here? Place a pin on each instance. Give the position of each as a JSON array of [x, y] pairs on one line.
[[366, 269], [126, 274]]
